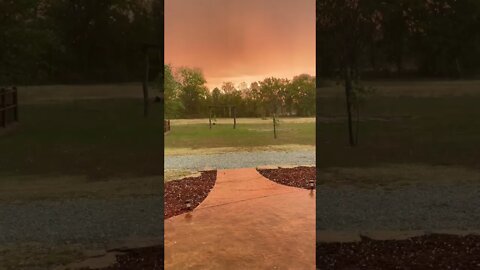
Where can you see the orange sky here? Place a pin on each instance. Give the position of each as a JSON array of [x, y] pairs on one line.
[[241, 40]]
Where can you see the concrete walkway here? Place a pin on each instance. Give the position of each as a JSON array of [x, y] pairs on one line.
[[246, 222]]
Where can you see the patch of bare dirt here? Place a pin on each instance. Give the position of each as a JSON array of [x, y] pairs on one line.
[[194, 189], [434, 251], [299, 177]]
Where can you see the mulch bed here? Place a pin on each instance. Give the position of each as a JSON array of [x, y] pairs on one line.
[[435, 251], [295, 177], [195, 189]]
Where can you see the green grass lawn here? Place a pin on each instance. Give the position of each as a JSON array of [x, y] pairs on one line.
[[107, 138], [95, 138], [94, 141], [61, 149], [245, 136], [404, 128]]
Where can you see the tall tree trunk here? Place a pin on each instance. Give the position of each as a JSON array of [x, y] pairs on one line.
[[348, 96]]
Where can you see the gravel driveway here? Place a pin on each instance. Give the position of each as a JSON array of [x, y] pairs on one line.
[[239, 160], [81, 220], [416, 207]]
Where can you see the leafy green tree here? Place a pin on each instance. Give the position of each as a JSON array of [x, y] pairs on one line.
[[435, 37], [228, 87], [447, 38], [216, 96], [272, 93], [65, 41], [217, 99], [254, 100], [193, 92], [186, 86], [102, 39], [229, 96], [173, 105], [302, 92], [27, 42], [352, 25]]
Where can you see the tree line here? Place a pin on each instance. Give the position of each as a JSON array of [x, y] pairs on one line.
[[186, 96], [425, 38], [75, 41], [82, 41], [429, 38]]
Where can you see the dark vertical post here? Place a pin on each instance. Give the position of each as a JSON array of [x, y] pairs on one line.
[[210, 118], [274, 127], [145, 82], [15, 103], [234, 118], [3, 108]]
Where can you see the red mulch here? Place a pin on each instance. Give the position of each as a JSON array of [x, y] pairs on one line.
[[295, 177], [195, 189], [435, 251]]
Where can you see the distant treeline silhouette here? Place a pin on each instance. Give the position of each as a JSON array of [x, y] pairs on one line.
[[395, 38], [186, 96], [82, 41]]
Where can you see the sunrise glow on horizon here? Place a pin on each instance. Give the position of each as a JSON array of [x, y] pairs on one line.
[[241, 40]]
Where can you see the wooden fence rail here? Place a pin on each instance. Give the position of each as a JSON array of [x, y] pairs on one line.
[[8, 106]]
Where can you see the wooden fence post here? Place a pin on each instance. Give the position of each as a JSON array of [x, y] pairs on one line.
[[166, 125], [210, 119], [234, 118]]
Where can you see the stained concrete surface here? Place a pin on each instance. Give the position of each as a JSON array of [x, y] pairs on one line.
[[246, 222]]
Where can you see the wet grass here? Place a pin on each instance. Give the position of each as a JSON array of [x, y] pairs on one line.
[[92, 138], [417, 131], [436, 131], [245, 136]]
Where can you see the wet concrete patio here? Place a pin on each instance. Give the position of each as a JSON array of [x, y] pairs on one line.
[[246, 222]]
